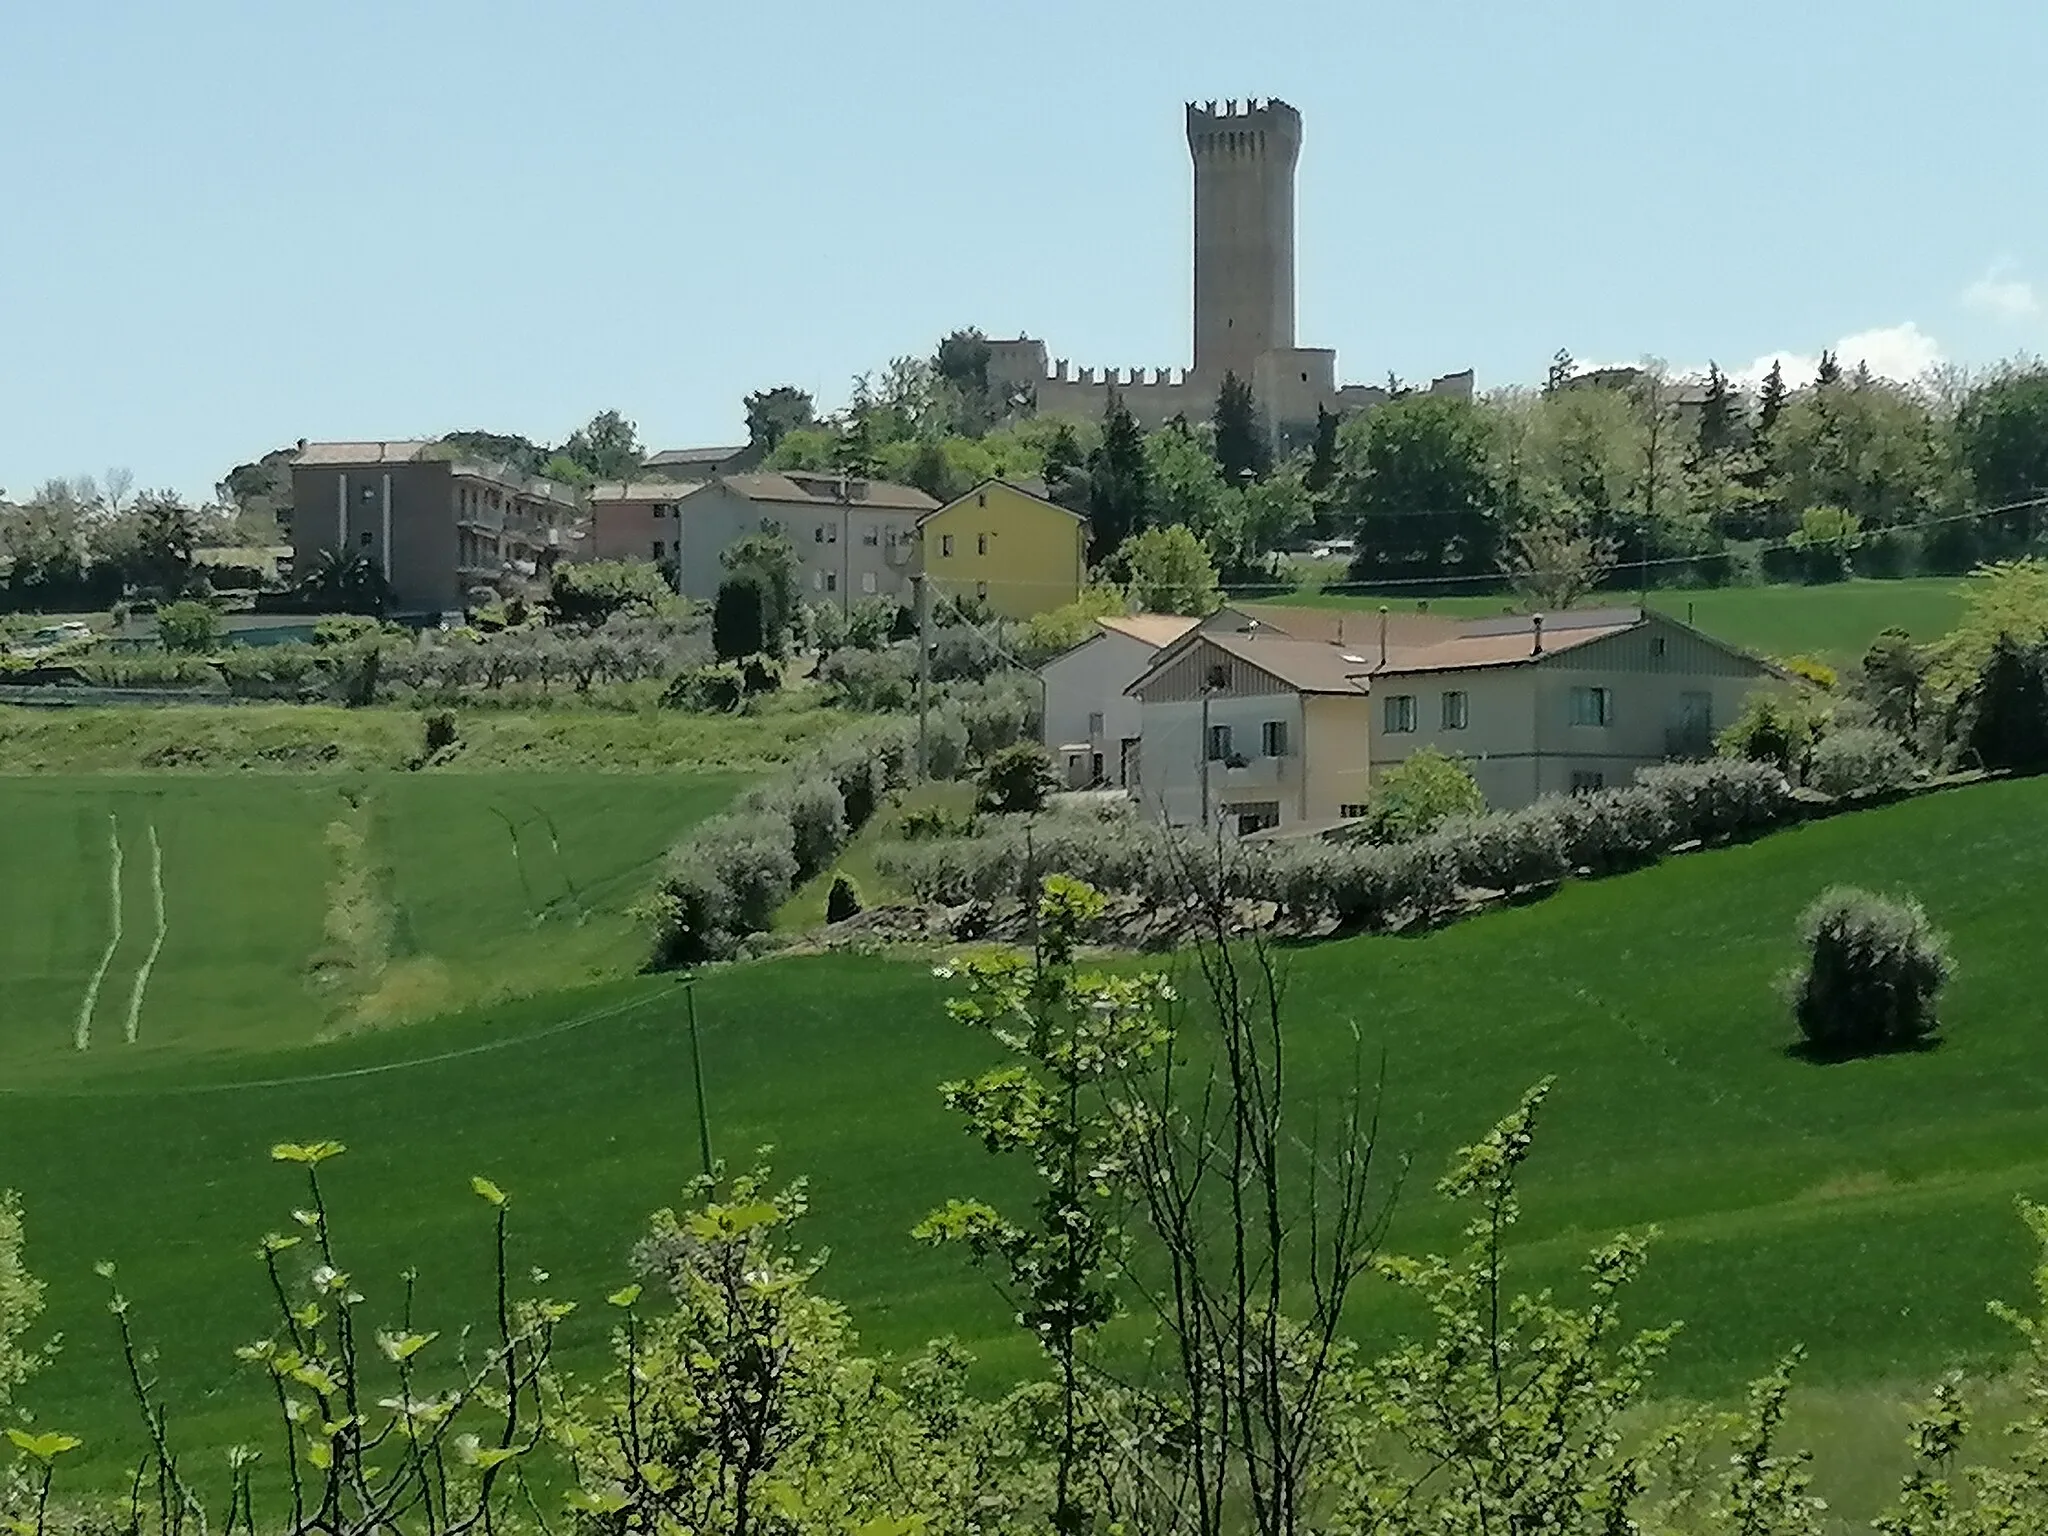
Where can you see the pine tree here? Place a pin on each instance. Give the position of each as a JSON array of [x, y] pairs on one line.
[[1560, 372], [1772, 400], [1719, 422], [1066, 470], [1241, 448], [1322, 462], [1119, 486], [854, 453], [1829, 371]]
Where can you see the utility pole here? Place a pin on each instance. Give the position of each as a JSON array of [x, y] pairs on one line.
[[1203, 748], [921, 597], [697, 1073]]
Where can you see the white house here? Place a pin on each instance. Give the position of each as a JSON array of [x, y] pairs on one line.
[[1091, 720], [1262, 730]]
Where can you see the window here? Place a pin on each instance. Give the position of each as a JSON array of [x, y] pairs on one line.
[[1586, 783], [1457, 710], [831, 581], [1273, 738], [831, 533], [981, 498], [366, 538], [1218, 678], [867, 582], [659, 549], [1095, 727], [871, 537], [1657, 645], [1355, 808], [817, 581], [1255, 817], [1400, 713], [981, 543], [981, 589], [818, 534], [1592, 706], [946, 546], [1219, 743]]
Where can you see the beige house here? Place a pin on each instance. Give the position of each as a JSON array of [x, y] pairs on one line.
[[443, 530], [637, 520], [1264, 730], [1091, 721], [853, 538]]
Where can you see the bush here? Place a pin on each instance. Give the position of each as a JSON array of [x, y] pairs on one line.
[[345, 630], [929, 822], [759, 675], [1874, 971], [2006, 710], [873, 682], [441, 731], [1615, 829], [1016, 780], [592, 593], [1512, 851], [742, 622], [1860, 761], [1716, 801], [843, 900], [718, 689], [1775, 728], [188, 629], [1422, 790]]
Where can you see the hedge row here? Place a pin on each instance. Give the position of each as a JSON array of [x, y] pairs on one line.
[[730, 876], [1359, 884]]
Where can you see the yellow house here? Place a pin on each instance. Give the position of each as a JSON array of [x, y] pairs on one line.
[[1019, 553]]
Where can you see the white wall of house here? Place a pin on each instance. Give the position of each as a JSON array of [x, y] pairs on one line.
[[1173, 753], [1085, 702]]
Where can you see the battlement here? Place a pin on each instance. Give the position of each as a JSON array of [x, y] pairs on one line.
[[1064, 372], [1237, 126]]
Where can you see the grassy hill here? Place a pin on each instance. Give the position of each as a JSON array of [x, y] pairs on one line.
[[265, 911], [1836, 622], [1864, 1209]]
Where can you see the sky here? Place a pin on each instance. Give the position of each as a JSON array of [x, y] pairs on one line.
[[227, 225]]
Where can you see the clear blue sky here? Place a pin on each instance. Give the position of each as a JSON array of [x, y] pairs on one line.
[[227, 225]]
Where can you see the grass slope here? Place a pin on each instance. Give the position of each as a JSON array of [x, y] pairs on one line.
[[1864, 1209], [295, 907], [1836, 623]]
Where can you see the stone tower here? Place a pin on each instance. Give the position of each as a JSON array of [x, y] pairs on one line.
[[1244, 154]]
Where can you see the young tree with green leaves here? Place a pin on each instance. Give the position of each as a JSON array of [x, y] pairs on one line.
[[774, 413], [1417, 489], [1169, 571], [607, 447], [1073, 1034], [768, 562]]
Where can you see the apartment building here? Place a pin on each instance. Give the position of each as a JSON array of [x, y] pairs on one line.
[[854, 538], [443, 530], [637, 520]]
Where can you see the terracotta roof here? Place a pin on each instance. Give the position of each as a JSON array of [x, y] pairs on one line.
[[1019, 487], [642, 490], [1309, 665], [350, 454], [669, 456], [1341, 626], [1157, 630], [1509, 641], [808, 489]]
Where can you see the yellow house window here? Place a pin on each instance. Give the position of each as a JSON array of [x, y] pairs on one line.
[[946, 545], [981, 543], [981, 589]]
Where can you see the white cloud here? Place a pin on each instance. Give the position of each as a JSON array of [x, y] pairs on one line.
[[1903, 352], [2003, 295]]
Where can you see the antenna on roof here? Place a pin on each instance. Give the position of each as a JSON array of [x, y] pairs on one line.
[[1536, 628]]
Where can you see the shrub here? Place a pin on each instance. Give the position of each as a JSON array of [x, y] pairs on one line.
[[760, 674], [1775, 728], [1615, 829], [843, 900], [1860, 761], [718, 689], [1715, 801], [742, 617], [945, 743], [2006, 709], [344, 630], [593, 592], [1512, 851], [874, 682], [1874, 971], [929, 822], [441, 731], [188, 629], [1017, 779], [1423, 789]]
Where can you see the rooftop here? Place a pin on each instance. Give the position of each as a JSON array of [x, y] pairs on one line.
[[716, 455], [350, 455], [1157, 630], [641, 490], [822, 489]]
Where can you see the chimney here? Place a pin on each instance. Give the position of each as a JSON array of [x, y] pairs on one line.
[[1536, 628], [1383, 634], [302, 445]]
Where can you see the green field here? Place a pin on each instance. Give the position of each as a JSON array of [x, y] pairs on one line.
[[1863, 1209], [266, 911], [1836, 623]]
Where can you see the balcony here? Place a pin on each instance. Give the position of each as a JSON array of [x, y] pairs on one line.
[[1240, 772]]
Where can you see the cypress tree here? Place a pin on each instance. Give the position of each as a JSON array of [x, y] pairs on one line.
[[1119, 485], [1718, 418], [1241, 447], [1771, 401]]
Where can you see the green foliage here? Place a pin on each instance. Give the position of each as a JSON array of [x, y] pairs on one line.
[[1059, 630], [1017, 780], [1242, 452], [607, 447], [1415, 486], [1776, 727], [772, 414], [442, 732], [843, 900], [2007, 600], [1859, 761], [2002, 441], [740, 621], [758, 623], [21, 1303], [1894, 677], [346, 630], [1119, 483], [1170, 572], [2006, 712], [188, 629], [1417, 793], [1827, 536], [592, 593], [1873, 974], [873, 682]]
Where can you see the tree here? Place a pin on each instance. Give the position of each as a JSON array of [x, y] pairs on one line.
[[1417, 489], [1066, 469], [522, 455], [2002, 440], [770, 559], [1720, 422], [961, 367], [343, 581], [1170, 572], [1561, 372], [854, 454], [772, 414], [188, 629], [1827, 537], [1552, 561], [1242, 452], [1771, 399], [1424, 788], [2006, 711], [593, 593], [842, 900], [260, 492], [1016, 781], [1828, 371], [2008, 600], [1119, 486], [167, 532], [1321, 474], [1894, 677], [607, 446], [1873, 974], [739, 617]]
